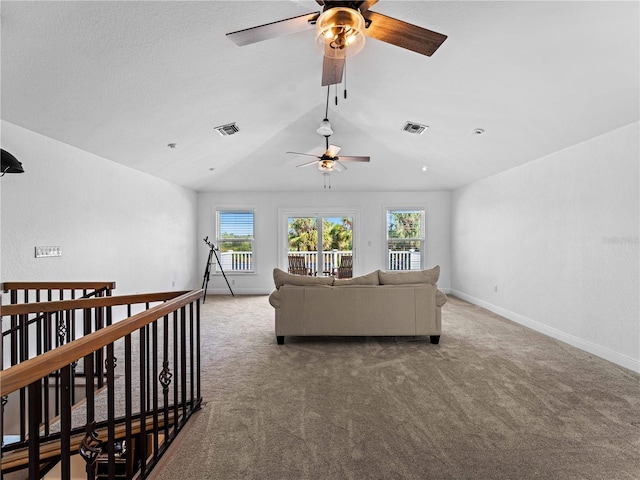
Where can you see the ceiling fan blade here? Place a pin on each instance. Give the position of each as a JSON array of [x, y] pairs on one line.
[[332, 69], [273, 29], [313, 162], [338, 167], [332, 151], [354, 159], [305, 154], [366, 5], [402, 34]]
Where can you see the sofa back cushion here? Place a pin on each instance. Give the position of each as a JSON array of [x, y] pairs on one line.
[[280, 277], [400, 278], [368, 279]]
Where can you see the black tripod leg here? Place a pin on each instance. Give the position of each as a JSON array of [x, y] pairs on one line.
[[207, 274], [221, 269]]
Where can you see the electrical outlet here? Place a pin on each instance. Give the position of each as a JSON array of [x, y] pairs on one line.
[[233, 282], [495, 288], [53, 251]]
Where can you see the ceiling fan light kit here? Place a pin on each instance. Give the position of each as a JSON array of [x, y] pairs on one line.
[[340, 32], [325, 128]]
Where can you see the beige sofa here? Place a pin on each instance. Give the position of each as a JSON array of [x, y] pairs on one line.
[[377, 304]]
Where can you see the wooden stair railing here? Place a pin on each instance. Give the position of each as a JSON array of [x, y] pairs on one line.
[[27, 292], [51, 331], [167, 334]]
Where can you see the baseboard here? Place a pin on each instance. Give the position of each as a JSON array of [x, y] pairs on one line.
[[237, 291], [598, 350]]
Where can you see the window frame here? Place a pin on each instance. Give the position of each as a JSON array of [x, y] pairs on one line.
[[422, 240], [224, 262]]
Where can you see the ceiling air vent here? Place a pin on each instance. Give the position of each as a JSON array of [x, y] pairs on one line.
[[414, 128], [228, 129]]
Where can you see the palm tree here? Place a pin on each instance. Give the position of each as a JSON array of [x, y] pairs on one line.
[[303, 234]]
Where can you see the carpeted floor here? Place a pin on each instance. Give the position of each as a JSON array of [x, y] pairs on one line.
[[493, 400]]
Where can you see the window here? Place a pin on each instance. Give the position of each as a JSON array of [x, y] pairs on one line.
[[406, 244], [235, 236]]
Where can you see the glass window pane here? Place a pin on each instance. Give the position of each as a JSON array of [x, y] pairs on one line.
[[404, 224], [302, 234], [337, 233]]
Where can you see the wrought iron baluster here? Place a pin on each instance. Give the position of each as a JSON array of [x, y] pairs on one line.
[[154, 335], [110, 366], [128, 399], [165, 375], [65, 422], [183, 361], [176, 357], [90, 447], [35, 412]]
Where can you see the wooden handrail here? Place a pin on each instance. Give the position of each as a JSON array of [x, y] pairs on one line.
[[82, 303], [56, 285], [27, 372]]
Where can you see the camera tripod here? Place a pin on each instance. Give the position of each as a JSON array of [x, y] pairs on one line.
[[207, 272]]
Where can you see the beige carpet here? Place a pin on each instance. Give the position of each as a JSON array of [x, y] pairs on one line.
[[493, 400]]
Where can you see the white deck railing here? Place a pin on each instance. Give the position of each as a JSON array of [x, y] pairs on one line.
[[243, 261], [236, 261], [328, 265]]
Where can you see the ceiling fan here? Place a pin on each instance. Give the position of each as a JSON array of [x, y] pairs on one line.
[[329, 160], [340, 32]]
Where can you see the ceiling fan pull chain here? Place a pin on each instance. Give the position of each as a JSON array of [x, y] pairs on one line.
[[345, 78], [327, 180], [336, 94]]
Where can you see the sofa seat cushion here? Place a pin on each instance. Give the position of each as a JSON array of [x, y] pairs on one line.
[[411, 277]]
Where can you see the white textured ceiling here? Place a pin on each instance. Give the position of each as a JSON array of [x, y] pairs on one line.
[[122, 79]]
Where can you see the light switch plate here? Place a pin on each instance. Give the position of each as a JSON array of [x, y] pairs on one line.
[[52, 251]]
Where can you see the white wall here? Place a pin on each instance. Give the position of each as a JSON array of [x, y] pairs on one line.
[[371, 217], [112, 223], [560, 238]]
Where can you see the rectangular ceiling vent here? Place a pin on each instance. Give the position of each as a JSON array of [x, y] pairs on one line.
[[415, 128], [228, 129]]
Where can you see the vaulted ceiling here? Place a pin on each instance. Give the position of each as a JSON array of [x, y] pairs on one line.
[[123, 79]]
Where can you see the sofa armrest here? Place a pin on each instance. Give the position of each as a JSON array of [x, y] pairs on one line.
[[441, 298], [274, 299]]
